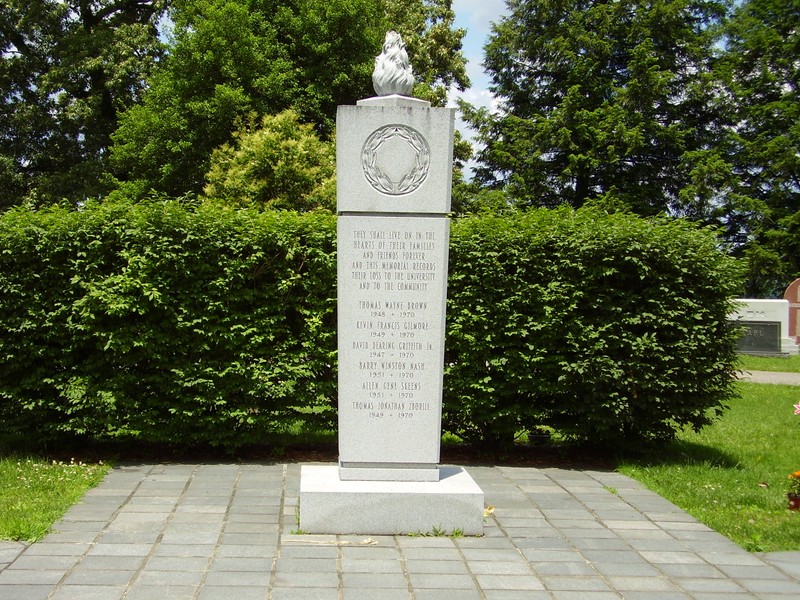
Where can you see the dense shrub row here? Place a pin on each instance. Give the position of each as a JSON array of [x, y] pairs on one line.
[[602, 326], [169, 321]]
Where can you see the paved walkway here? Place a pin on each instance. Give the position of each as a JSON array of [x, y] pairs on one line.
[[771, 377], [224, 531]]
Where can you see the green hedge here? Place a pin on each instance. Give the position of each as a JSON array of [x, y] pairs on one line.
[[180, 322], [166, 322], [605, 327]]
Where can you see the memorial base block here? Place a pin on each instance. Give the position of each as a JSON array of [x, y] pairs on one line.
[[330, 505]]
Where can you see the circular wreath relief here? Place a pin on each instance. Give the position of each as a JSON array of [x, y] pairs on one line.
[[409, 181]]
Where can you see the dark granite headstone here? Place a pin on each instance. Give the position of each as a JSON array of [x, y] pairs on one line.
[[760, 337]]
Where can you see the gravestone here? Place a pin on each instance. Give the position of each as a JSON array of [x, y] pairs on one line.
[[762, 338], [765, 321], [394, 172], [792, 295]]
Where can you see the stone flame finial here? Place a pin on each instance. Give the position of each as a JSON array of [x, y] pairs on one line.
[[392, 74]]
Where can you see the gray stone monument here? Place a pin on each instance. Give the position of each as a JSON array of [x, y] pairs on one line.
[[394, 167]]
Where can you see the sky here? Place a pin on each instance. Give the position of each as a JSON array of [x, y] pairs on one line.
[[476, 17]]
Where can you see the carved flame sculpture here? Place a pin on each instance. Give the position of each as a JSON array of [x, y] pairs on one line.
[[392, 74]]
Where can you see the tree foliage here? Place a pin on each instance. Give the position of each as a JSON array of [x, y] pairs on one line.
[[67, 69], [280, 165], [234, 61], [604, 98]]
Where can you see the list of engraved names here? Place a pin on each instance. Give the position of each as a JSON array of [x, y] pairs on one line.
[[395, 278]]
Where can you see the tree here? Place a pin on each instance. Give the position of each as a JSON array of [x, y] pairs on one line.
[[763, 45], [605, 99], [67, 69], [234, 61], [282, 164]]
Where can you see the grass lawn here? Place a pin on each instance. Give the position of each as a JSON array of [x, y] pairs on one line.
[[34, 493], [732, 476], [762, 363]]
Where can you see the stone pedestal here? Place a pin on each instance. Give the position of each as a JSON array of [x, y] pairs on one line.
[[394, 168], [454, 503]]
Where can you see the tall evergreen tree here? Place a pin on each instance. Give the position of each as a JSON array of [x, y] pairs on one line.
[[605, 99], [67, 69], [763, 58]]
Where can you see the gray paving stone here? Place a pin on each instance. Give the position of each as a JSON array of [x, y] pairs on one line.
[[691, 571], [549, 543], [306, 565], [492, 554], [770, 586], [307, 580], [483, 542], [247, 578], [25, 577], [519, 567], [642, 584], [604, 544], [431, 553], [547, 555], [44, 562], [375, 594], [188, 550], [91, 592], [24, 592], [160, 592], [56, 549], [638, 569], [621, 556], [99, 577], [64, 537], [441, 581], [509, 582], [374, 580], [405, 541], [657, 557], [309, 551], [718, 585], [516, 595], [351, 565], [245, 551], [650, 595], [584, 595], [588, 584], [564, 568], [177, 563], [588, 532], [213, 592], [445, 594], [255, 565], [169, 578], [440, 566], [122, 563]]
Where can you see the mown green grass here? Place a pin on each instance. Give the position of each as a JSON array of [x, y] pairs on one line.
[[763, 363], [732, 476], [34, 493]]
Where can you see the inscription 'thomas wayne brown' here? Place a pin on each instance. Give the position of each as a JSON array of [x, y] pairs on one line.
[[391, 305]]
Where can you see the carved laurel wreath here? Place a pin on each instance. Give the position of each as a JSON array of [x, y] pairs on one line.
[[411, 180]]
